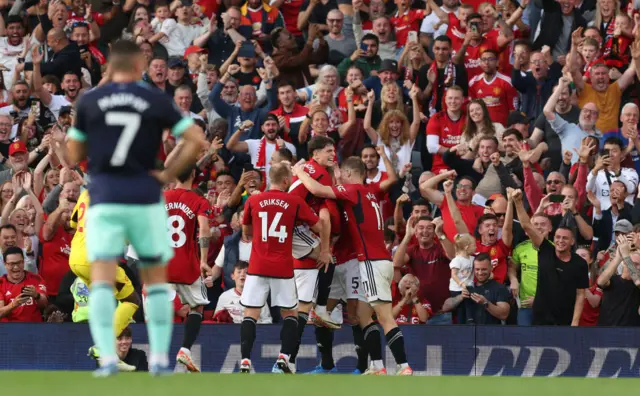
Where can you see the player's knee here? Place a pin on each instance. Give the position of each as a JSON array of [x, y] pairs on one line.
[[288, 312], [253, 313], [199, 309]]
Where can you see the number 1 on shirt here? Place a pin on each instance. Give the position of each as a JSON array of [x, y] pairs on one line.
[[272, 232]]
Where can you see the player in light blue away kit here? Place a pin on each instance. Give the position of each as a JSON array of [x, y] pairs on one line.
[[119, 128]]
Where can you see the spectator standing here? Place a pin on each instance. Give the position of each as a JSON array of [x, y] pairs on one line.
[[428, 260], [559, 20], [535, 86], [340, 45], [66, 56], [290, 114], [260, 19], [367, 60], [293, 63], [562, 274], [445, 128], [222, 42], [23, 295], [11, 46]]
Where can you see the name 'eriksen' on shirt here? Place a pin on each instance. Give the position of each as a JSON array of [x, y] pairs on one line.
[[180, 206], [277, 202], [123, 99]]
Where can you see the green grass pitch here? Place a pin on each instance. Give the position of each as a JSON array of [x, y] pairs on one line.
[[54, 383]]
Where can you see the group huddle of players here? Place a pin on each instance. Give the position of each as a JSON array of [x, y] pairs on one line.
[[315, 225]]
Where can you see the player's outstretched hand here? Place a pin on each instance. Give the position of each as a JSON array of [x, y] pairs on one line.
[[323, 260]]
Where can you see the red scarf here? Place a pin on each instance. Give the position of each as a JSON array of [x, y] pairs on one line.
[[449, 80]]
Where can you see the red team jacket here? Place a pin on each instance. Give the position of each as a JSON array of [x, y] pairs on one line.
[[9, 291], [273, 215], [183, 208]]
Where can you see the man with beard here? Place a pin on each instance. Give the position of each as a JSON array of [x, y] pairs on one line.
[[290, 115], [70, 87], [22, 104], [563, 276], [18, 159], [494, 88], [465, 189], [544, 132], [428, 260], [261, 149], [605, 95], [436, 78], [489, 242], [571, 135], [11, 47], [293, 63], [535, 86]]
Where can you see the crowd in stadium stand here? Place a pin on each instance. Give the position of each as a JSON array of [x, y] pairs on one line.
[[508, 131]]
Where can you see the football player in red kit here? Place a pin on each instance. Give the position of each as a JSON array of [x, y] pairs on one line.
[[305, 243], [270, 218], [188, 221], [366, 227]]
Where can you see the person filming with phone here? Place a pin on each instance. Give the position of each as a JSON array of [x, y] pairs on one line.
[[608, 169], [490, 297], [23, 295]]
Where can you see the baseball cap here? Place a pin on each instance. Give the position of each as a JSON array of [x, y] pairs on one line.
[[247, 50], [64, 110], [517, 117], [17, 147], [271, 117], [194, 49], [175, 61], [623, 226], [492, 198], [388, 65]]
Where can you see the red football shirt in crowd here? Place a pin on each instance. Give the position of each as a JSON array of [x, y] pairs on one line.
[[470, 214], [590, 314], [498, 253], [290, 10], [472, 55], [498, 94], [408, 314], [364, 216], [273, 215], [55, 259], [183, 208], [9, 291], [455, 32], [431, 267], [403, 24], [448, 131]]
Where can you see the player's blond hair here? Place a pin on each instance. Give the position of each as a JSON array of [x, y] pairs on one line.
[[280, 172]]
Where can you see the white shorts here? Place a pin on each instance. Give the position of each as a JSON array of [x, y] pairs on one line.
[[256, 290], [194, 295], [306, 284], [376, 280], [304, 241], [346, 283]]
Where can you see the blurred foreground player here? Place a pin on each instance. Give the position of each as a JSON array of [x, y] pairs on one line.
[[187, 269], [270, 218], [119, 128], [79, 263], [366, 225]]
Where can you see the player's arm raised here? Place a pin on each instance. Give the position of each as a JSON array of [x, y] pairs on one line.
[[313, 186], [525, 220]]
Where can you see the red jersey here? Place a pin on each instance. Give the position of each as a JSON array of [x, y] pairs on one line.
[[470, 214], [343, 250], [476, 3], [455, 32], [498, 253], [408, 314], [386, 203], [448, 132], [498, 94], [403, 24], [472, 55], [273, 215], [290, 10], [431, 267], [590, 314], [183, 208], [98, 17], [9, 291], [55, 259], [320, 174], [343, 106], [364, 216]]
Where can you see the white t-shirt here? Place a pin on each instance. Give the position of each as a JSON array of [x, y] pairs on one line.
[[58, 102], [254, 147], [465, 272], [230, 300], [9, 55], [431, 20], [404, 155], [243, 255], [179, 36]]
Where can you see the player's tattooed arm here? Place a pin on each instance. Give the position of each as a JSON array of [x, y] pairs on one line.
[[633, 271]]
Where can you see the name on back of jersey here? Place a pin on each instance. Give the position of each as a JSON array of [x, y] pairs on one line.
[[274, 202], [180, 206], [123, 99]]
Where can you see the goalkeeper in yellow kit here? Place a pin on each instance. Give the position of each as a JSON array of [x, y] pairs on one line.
[[129, 299]]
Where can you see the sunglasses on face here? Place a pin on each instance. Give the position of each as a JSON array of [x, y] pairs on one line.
[[554, 182]]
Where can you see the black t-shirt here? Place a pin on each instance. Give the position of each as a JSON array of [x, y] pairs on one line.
[[137, 358], [252, 78], [551, 137], [460, 79], [620, 301], [557, 285], [495, 293], [320, 11]]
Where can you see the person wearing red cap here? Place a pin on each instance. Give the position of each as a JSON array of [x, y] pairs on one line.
[[18, 160], [194, 61]]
